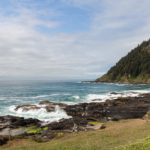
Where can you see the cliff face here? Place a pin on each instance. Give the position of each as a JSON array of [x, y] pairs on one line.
[[133, 68]]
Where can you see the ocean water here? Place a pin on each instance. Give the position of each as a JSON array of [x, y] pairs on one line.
[[13, 93]]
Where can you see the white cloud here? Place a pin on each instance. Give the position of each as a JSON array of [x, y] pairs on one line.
[[115, 28]]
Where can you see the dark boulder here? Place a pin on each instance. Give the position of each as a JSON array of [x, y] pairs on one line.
[[3, 140], [15, 122], [64, 124], [27, 107]]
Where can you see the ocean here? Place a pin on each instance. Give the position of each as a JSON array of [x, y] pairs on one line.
[[14, 93]]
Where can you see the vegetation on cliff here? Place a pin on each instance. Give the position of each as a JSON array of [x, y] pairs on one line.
[[133, 68]]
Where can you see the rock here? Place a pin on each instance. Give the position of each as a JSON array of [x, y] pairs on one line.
[[75, 128], [103, 126], [80, 121], [46, 102], [3, 140], [44, 137], [121, 108], [15, 122], [114, 93], [64, 124], [52, 103], [49, 106], [27, 107], [96, 127], [8, 132], [82, 114]]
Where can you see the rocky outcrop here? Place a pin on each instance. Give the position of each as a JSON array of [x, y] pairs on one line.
[[85, 116], [15, 122], [27, 107], [121, 108], [11, 126], [64, 124]]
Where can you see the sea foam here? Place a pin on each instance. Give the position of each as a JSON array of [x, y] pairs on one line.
[[40, 114], [114, 95]]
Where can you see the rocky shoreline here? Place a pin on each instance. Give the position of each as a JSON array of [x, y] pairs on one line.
[[84, 116]]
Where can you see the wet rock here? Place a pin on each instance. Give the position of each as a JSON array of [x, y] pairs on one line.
[[114, 93], [49, 106], [27, 107], [82, 114], [64, 124], [15, 122], [121, 108], [46, 102]]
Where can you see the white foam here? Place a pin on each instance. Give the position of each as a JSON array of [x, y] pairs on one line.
[[69, 102], [41, 114], [91, 97], [76, 97], [140, 91], [40, 96], [58, 114], [112, 96]]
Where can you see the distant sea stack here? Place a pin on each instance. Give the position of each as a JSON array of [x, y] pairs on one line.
[[133, 68]]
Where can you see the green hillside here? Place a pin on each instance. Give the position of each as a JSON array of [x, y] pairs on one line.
[[133, 68]]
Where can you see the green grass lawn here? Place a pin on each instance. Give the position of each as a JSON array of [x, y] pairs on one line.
[[139, 145], [115, 136]]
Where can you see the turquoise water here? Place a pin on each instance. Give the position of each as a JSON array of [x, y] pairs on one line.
[[13, 93]]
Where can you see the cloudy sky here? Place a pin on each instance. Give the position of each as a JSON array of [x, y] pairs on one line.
[[68, 39]]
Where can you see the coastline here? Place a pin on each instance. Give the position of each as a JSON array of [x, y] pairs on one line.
[[51, 113], [84, 117], [117, 82]]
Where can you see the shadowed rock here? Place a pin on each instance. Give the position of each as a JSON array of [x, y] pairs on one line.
[[15, 122], [3, 140], [27, 107]]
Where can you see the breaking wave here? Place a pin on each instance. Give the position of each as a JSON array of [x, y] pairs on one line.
[[114, 95], [40, 114]]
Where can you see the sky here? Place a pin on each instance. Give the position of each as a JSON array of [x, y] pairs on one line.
[[68, 39]]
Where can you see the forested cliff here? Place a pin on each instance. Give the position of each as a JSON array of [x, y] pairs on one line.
[[133, 68]]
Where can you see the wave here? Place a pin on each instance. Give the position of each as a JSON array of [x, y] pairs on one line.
[[71, 99], [33, 97], [140, 91], [114, 95], [40, 114], [76, 97], [50, 95]]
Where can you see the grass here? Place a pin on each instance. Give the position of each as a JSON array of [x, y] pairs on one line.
[[140, 145], [93, 123], [35, 130], [116, 135]]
